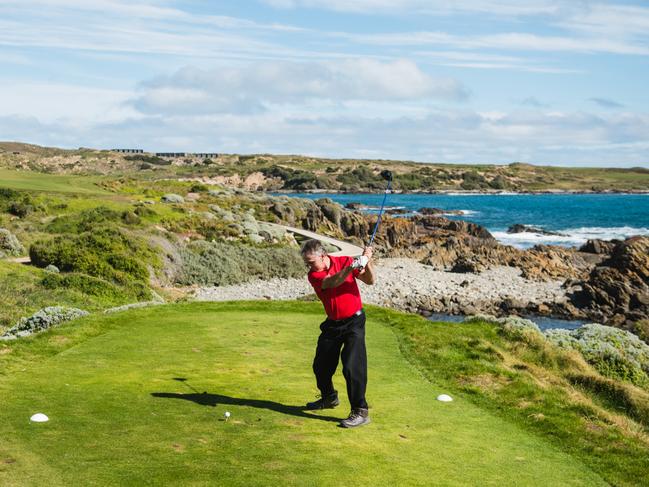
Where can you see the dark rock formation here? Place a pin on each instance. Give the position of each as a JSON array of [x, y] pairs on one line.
[[519, 228], [617, 291], [438, 211], [353, 205], [598, 246]]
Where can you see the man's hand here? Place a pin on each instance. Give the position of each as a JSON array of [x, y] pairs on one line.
[[368, 252], [359, 262], [367, 272]]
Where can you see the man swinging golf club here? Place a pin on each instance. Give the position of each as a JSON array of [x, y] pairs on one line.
[[334, 281]]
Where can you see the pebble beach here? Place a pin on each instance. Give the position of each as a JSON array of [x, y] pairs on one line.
[[408, 285]]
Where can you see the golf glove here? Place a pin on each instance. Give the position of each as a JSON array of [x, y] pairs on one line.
[[359, 262]]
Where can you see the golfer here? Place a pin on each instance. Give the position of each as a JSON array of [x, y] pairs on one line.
[[334, 281]]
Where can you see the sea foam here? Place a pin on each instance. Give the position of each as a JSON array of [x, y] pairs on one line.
[[570, 237]]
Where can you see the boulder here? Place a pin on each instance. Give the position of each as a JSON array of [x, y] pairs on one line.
[[172, 198], [519, 228], [331, 210], [618, 289], [353, 205], [597, 246]]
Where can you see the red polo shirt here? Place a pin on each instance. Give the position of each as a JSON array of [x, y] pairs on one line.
[[339, 302]]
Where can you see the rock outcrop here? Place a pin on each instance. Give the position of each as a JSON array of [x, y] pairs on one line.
[[617, 291], [520, 228]]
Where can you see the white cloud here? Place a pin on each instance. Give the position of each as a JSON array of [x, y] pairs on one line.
[[431, 7], [611, 20], [49, 102], [514, 41], [253, 87]]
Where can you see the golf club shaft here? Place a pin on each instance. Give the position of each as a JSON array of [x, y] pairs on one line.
[[376, 227]]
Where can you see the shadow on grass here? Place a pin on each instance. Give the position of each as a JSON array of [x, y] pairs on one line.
[[213, 400]]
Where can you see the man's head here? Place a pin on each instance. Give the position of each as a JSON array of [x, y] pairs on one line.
[[314, 255]]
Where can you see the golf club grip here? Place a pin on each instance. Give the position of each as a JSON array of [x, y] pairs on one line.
[[378, 220]]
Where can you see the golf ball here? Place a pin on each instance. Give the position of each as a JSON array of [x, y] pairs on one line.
[[227, 414]]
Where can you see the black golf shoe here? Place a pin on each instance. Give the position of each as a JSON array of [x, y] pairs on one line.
[[358, 417], [327, 402]]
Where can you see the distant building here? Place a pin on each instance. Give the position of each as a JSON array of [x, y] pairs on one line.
[[171, 154], [129, 151], [206, 155]]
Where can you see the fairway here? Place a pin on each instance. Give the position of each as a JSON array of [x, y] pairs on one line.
[[33, 181], [142, 403]]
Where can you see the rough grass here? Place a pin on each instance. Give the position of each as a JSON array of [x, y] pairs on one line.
[[138, 398], [550, 392], [23, 292]]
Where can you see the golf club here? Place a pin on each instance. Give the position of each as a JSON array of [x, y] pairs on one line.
[[387, 175]]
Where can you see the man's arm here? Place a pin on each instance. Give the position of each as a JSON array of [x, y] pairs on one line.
[[337, 279]]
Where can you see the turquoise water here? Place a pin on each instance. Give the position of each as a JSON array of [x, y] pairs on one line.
[[577, 216], [543, 322]]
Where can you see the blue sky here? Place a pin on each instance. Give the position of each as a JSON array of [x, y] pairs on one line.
[[483, 81]]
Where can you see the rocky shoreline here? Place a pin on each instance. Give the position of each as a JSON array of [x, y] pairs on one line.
[[408, 285], [603, 281]]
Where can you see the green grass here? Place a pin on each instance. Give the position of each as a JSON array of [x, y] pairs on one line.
[[120, 416], [34, 181]]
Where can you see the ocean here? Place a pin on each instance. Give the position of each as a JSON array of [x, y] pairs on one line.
[[578, 217]]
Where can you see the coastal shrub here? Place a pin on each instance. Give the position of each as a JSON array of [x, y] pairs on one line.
[[615, 353], [472, 180], [498, 182], [362, 177], [511, 326], [95, 286], [224, 263], [20, 209], [8, 194], [413, 181], [83, 221], [9, 243], [148, 159], [42, 320], [144, 212], [52, 268], [297, 179], [107, 253], [199, 188], [641, 329], [130, 218]]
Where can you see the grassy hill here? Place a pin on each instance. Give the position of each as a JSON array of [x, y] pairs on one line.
[[138, 398], [304, 173]]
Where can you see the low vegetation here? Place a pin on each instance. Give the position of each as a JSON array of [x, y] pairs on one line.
[[223, 263]]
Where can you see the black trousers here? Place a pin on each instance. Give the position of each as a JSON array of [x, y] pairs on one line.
[[348, 335]]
